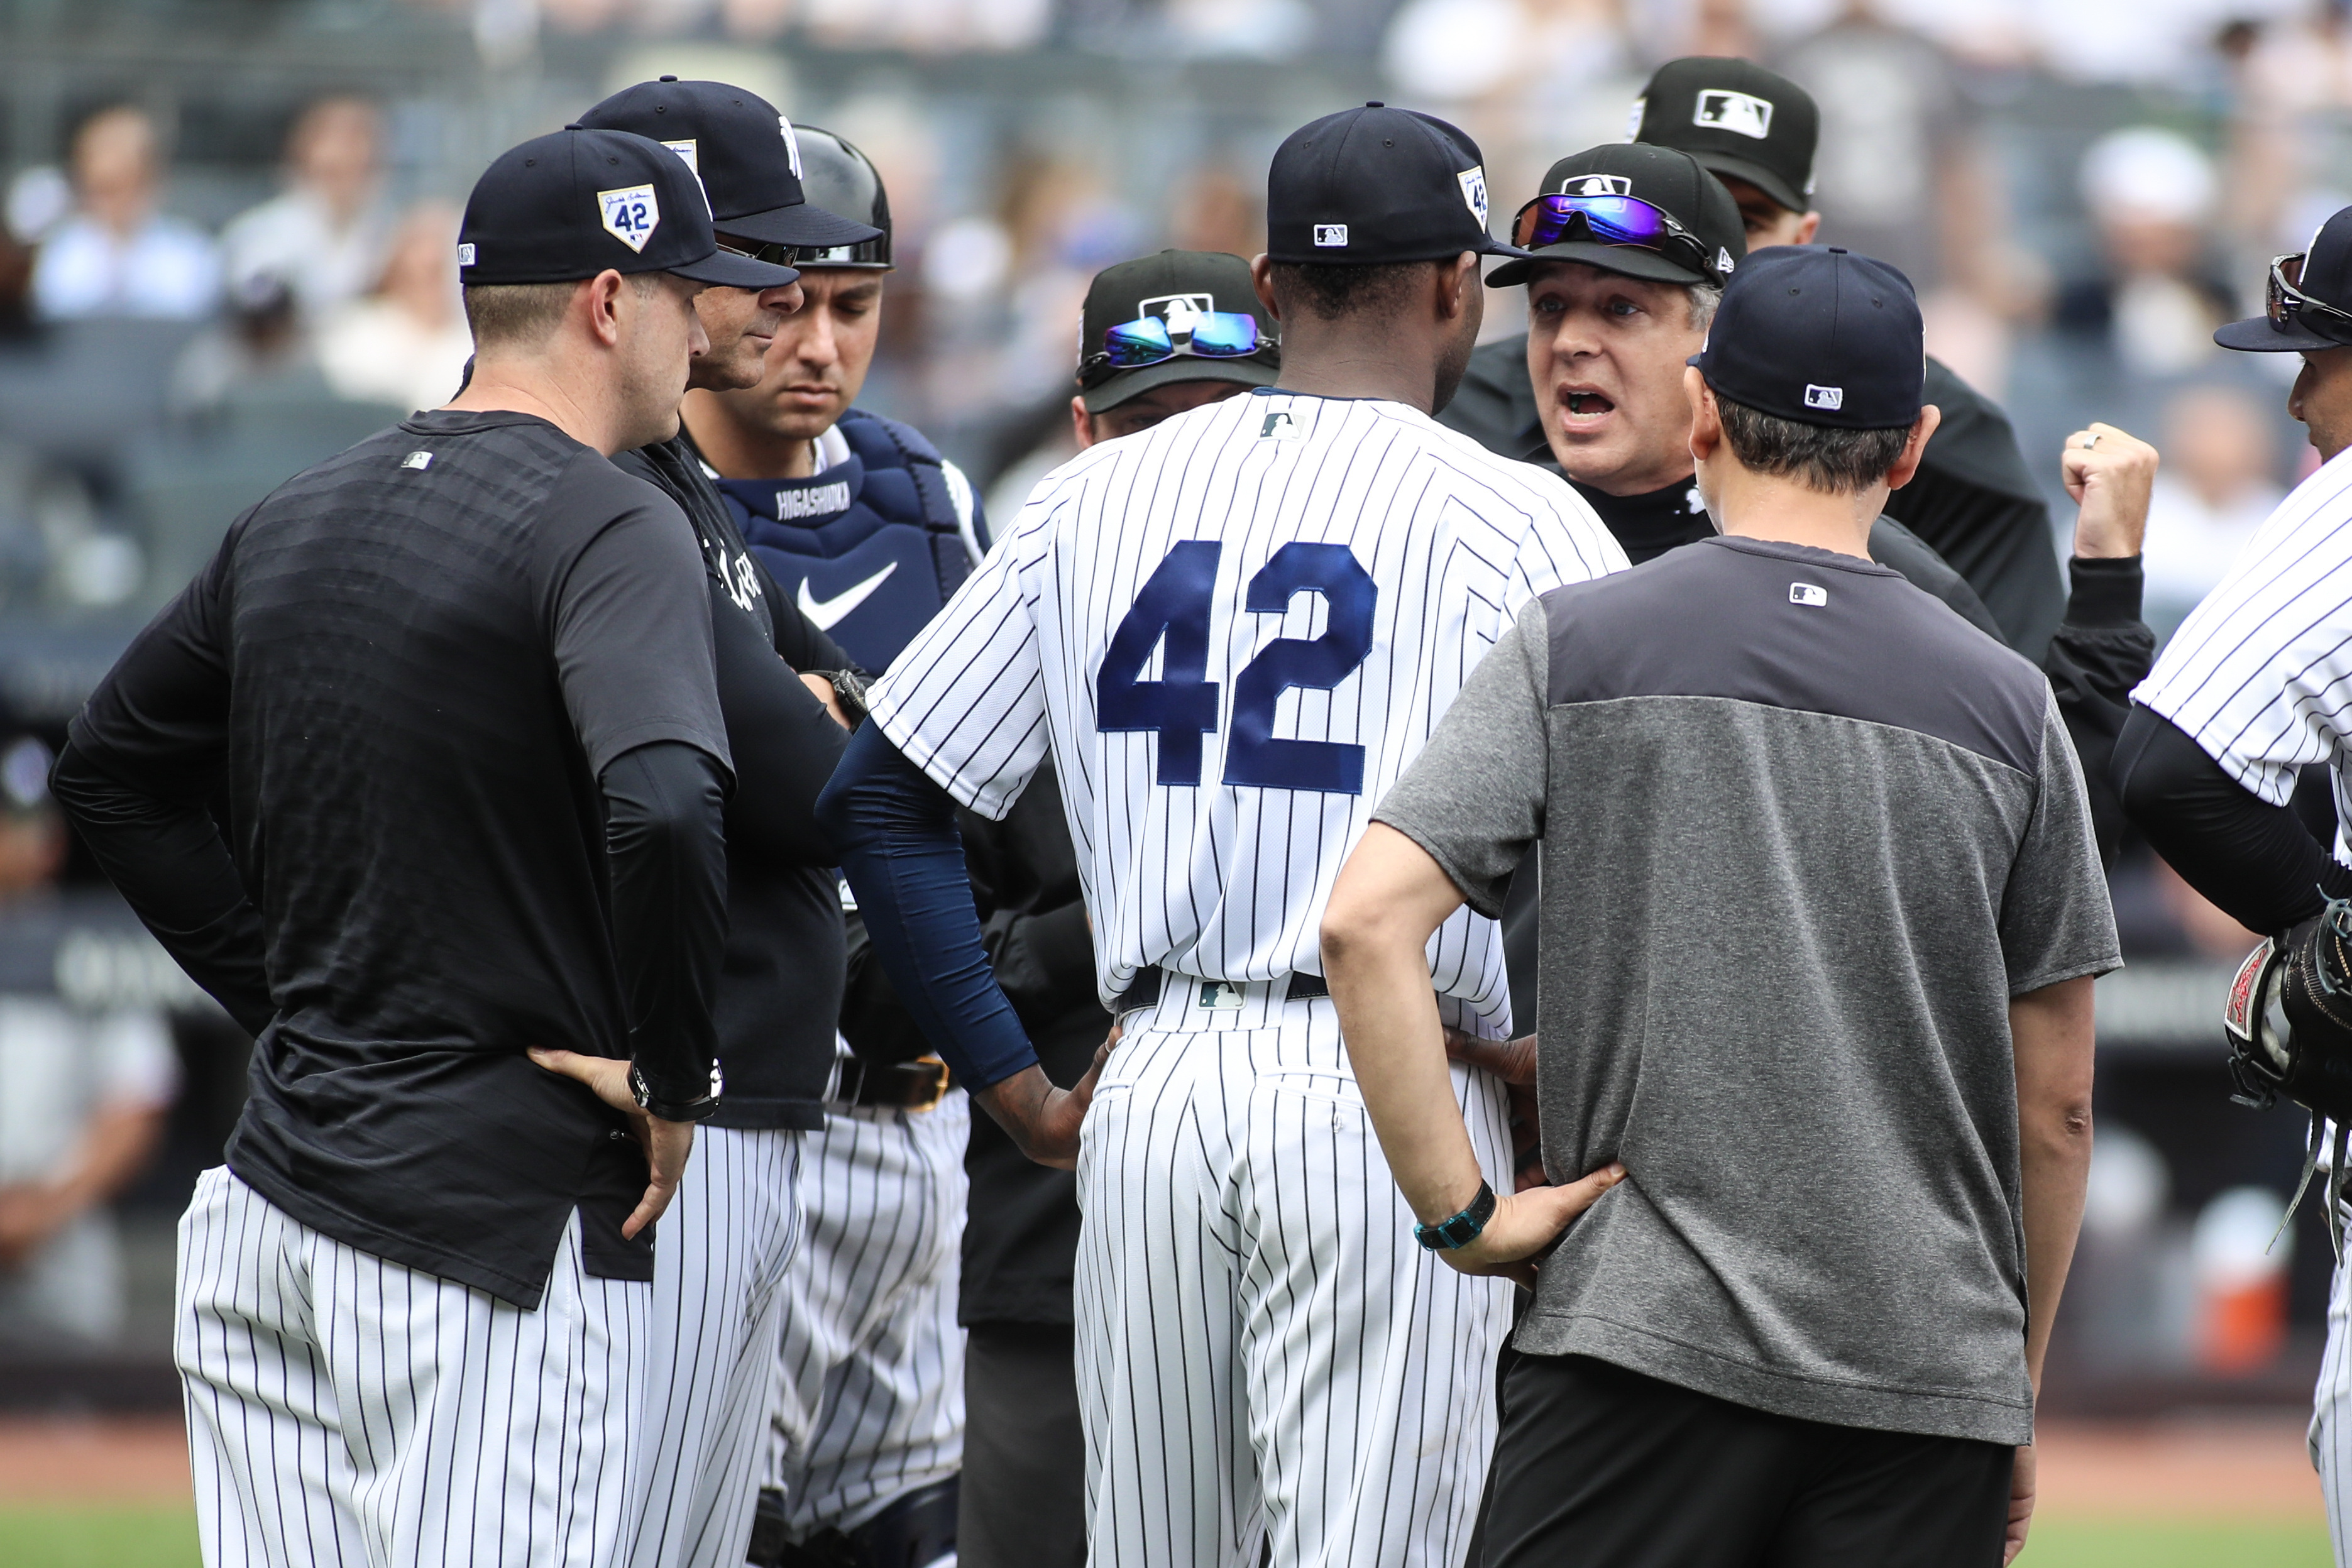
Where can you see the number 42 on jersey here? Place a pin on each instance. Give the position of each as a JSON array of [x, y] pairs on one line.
[[1175, 604]]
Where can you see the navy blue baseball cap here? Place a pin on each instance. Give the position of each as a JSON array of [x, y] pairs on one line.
[[1376, 185], [574, 203], [744, 152], [2307, 303], [1820, 336]]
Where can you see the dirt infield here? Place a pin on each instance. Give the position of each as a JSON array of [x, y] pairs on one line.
[[2254, 1468]]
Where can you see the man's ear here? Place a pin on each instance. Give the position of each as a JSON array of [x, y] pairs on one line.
[[1082, 423], [1455, 281], [1808, 228], [1707, 419], [1262, 277], [1914, 447], [600, 300]]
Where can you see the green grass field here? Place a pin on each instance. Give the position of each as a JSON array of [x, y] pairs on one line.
[[167, 1538]]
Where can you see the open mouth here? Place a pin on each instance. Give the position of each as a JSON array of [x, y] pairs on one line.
[[1583, 404]]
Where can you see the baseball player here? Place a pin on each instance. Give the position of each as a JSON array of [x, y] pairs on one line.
[[1798, 1329], [1159, 335], [2255, 684], [1230, 632], [1974, 501], [457, 685], [866, 531], [718, 1276]]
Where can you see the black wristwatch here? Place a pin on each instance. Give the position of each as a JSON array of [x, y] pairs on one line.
[[1463, 1229], [700, 1110], [849, 690]]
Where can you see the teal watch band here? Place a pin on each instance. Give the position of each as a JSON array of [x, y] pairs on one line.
[[1461, 1229]]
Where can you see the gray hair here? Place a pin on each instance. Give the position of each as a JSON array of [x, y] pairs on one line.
[[1703, 297]]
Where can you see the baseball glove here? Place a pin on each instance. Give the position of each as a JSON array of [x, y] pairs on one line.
[[2289, 1022]]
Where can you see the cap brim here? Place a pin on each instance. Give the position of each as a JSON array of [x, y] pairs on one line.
[[2256, 335], [799, 224], [1625, 260], [1126, 384], [1724, 166], [728, 270]]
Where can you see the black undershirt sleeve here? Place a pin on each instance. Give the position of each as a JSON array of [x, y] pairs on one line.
[[168, 859], [2258, 861], [2099, 652], [667, 849]]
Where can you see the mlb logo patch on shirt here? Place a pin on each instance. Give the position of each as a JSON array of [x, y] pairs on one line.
[[417, 460], [1331, 237], [630, 215], [1824, 397], [1742, 114], [1808, 594]]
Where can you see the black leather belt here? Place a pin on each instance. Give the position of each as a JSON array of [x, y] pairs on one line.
[[1145, 989], [917, 1085]]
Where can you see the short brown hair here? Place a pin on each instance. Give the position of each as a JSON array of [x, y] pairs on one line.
[[519, 313], [1837, 461]]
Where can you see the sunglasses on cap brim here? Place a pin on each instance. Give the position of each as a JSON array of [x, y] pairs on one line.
[[2287, 306], [1147, 341], [756, 250], [1607, 220]]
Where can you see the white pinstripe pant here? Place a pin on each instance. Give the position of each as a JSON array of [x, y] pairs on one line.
[[871, 1405], [343, 1409], [1263, 1348], [2331, 1413], [720, 1259]]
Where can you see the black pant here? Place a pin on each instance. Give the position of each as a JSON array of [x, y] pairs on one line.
[[1024, 1457], [1601, 1467]]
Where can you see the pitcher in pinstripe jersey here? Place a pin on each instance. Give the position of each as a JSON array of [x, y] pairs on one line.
[[1232, 632], [2256, 685]]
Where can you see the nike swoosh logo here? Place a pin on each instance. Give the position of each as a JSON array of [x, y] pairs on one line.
[[826, 613]]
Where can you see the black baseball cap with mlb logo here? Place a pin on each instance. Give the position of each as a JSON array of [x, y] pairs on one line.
[[1206, 307], [744, 152], [1739, 119], [1818, 335], [1706, 242], [1375, 185], [574, 203]]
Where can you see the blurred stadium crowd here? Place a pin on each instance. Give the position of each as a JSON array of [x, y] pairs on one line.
[[228, 253]]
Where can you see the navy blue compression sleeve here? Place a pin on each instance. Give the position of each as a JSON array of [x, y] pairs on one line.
[[899, 848]]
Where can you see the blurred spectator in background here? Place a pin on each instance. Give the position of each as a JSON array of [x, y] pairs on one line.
[[82, 1099], [405, 343], [2217, 483], [115, 254], [2157, 299], [257, 344], [1900, 173], [324, 235]]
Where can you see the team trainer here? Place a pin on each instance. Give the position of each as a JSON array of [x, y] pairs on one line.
[[456, 687], [1842, 1056]]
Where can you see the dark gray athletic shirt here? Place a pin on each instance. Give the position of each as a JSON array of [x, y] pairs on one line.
[[1805, 834]]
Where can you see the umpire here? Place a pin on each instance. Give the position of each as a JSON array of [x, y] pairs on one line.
[[718, 1294], [456, 687], [1843, 1058]]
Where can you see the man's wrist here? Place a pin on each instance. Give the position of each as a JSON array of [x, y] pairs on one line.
[[666, 1101], [1455, 1231]]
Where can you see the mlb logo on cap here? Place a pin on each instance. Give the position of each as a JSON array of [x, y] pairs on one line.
[[1331, 235], [1179, 311], [1597, 185], [631, 214], [1743, 114], [1824, 397]]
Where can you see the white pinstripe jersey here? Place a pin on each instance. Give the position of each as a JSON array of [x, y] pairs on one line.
[[1234, 631], [2261, 673]]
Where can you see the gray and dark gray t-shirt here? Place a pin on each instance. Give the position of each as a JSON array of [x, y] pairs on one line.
[[1805, 834]]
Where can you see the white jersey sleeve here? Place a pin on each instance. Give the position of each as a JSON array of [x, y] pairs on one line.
[[966, 699], [2260, 674]]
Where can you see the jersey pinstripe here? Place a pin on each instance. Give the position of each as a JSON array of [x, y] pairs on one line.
[[2261, 673], [1234, 631]]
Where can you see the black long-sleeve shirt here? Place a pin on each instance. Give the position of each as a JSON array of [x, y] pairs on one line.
[[780, 984], [456, 687]]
